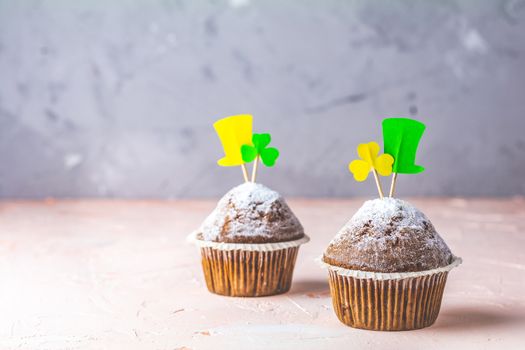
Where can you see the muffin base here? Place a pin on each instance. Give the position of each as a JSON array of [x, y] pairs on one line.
[[248, 273], [387, 301], [387, 305]]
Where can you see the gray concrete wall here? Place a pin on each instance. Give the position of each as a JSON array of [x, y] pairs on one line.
[[117, 98]]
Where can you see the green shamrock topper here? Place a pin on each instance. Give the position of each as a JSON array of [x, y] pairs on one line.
[[268, 155]]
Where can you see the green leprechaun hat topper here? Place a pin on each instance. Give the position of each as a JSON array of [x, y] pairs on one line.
[[401, 138]]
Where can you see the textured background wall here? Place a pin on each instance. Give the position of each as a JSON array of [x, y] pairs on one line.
[[116, 98]]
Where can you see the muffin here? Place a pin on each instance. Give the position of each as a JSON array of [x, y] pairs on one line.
[[249, 243], [388, 268]]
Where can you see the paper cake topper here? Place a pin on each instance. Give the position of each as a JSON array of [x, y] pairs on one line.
[[401, 138], [241, 147], [268, 155], [233, 132], [371, 161]]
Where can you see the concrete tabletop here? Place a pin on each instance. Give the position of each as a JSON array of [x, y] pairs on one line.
[[101, 274]]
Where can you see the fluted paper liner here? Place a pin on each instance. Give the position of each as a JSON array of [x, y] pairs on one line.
[[259, 247], [248, 270], [387, 301]]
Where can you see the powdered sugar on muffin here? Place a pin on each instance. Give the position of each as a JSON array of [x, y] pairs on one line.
[[251, 213], [388, 235]]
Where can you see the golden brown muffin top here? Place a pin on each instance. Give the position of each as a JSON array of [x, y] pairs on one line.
[[388, 235], [251, 213]]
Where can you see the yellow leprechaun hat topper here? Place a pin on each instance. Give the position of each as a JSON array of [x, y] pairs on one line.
[[242, 146], [234, 132]]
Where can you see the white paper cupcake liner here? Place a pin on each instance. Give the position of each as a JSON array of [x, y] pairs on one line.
[[259, 247], [387, 276]]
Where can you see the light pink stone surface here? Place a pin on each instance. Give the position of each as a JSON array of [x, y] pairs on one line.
[[119, 275]]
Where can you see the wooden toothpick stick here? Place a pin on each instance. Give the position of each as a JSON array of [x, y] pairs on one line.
[[393, 185], [254, 170], [244, 172], [378, 184]]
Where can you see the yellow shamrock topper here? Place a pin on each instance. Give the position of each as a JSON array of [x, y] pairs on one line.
[[371, 161], [234, 132], [368, 152]]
